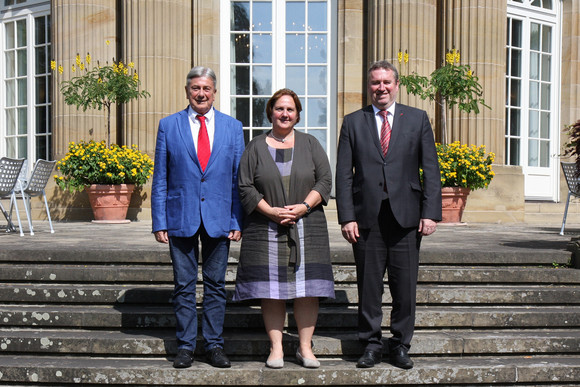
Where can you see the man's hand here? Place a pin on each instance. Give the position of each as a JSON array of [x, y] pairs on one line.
[[427, 227], [235, 235], [350, 231], [161, 236]]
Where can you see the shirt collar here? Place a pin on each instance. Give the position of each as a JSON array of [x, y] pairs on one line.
[[390, 109], [193, 114]]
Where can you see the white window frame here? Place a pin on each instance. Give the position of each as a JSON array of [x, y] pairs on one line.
[[28, 11], [528, 14], [278, 63]]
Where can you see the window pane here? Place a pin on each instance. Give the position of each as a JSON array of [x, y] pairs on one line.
[[262, 80], [534, 65], [533, 148], [320, 135], [317, 16], [22, 121], [534, 129], [515, 93], [316, 112], [10, 64], [41, 119], [40, 60], [41, 90], [537, 3], [262, 48], [534, 95], [22, 148], [9, 35], [39, 29], [41, 147], [240, 16], [295, 79], [545, 96], [515, 123], [11, 147], [295, 44], [317, 48], [516, 67], [240, 82], [11, 93], [22, 97], [240, 48], [547, 39], [10, 122], [544, 154], [22, 61], [317, 80], [295, 16], [548, 4], [241, 110], [545, 125], [516, 33], [535, 36], [514, 151], [21, 33], [260, 118], [262, 20], [546, 67]]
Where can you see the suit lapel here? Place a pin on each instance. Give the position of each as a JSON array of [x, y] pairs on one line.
[[396, 128], [371, 124], [184, 129], [219, 135]]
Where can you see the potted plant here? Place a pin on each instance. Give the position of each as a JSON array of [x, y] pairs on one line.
[[108, 174], [463, 169]]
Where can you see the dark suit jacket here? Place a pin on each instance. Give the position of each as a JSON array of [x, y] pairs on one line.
[[361, 170], [182, 195]]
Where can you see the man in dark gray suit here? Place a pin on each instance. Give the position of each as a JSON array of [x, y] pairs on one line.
[[384, 208]]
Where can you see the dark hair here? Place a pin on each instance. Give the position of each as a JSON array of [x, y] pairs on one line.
[[383, 64], [276, 97]]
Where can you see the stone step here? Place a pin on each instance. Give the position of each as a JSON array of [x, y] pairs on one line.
[[119, 273], [345, 294], [61, 370], [254, 344], [330, 317], [340, 254]]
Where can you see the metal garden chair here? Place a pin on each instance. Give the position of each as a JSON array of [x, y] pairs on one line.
[[573, 182], [9, 172], [35, 186]]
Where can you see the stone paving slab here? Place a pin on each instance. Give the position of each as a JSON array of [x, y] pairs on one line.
[[482, 370]]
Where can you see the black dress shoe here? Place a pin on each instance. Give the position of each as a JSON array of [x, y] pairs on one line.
[[369, 359], [400, 357], [217, 358], [184, 359]]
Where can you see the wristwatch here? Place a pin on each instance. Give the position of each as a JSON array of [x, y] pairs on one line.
[[308, 208]]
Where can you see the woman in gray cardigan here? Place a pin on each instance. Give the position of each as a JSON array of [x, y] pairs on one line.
[[284, 178]]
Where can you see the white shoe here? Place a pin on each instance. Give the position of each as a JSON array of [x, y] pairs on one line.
[[307, 363]]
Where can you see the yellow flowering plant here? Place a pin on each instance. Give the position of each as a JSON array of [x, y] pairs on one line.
[[465, 166], [93, 162], [100, 86]]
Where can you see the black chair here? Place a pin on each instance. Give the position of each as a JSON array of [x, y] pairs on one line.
[[573, 182]]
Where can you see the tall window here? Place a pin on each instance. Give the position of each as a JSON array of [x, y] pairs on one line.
[[531, 131], [276, 44], [26, 105]]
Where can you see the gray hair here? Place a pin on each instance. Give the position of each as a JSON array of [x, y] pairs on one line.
[[383, 64], [200, 71]]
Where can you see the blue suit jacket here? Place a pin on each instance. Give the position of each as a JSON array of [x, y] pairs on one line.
[[182, 196]]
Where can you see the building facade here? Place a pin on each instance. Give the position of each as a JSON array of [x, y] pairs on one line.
[[525, 53]]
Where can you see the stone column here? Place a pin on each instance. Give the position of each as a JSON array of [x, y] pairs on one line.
[[475, 29], [570, 73], [156, 37], [399, 25], [80, 27], [351, 62]]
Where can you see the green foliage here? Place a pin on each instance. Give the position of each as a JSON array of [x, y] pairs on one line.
[[93, 162]]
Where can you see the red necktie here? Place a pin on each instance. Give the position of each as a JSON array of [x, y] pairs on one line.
[[203, 149], [385, 132]]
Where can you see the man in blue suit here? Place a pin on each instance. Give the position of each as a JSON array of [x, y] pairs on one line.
[[194, 198]]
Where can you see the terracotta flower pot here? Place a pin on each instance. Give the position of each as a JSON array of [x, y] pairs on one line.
[[110, 202], [453, 203]]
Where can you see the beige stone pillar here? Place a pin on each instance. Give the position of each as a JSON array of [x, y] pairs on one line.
[[399, 25], [206, 37], [156, 36], [474, 27], [80, 27], [351, 62], [570, 82]]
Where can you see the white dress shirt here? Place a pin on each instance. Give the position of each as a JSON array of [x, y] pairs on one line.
[[195, 124], [379, 118]]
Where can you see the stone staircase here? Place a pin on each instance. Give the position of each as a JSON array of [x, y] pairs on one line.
[[87, 317]]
